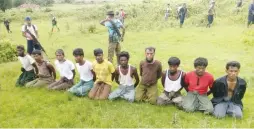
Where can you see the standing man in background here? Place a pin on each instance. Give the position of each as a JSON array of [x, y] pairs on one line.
[[115, 36], [251, 14]]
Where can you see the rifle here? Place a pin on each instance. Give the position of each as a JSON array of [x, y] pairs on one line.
[[35, 40], [115, 28]]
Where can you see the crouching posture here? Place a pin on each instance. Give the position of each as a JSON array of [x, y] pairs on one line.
[[84, 68], [47, 73], [228, 92], [124, 77], [67, 72], [173, 82], [28, 67]]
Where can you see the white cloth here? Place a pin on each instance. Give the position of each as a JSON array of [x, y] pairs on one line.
[[172, 85], [31, 29], [125, 80], [85, 71], [65, 68], [27, 62]]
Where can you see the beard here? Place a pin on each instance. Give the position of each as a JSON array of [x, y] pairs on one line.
[[172, 72], [149, 61]]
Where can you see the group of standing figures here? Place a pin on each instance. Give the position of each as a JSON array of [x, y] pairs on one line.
[[182, 12]]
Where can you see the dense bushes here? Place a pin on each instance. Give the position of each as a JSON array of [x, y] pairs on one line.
[[7, 51], [17, 3]]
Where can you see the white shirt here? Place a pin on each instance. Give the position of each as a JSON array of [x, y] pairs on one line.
[[65, 68], [172, 85], [85, 71], [31, 29], [27, 62], [125, 80]]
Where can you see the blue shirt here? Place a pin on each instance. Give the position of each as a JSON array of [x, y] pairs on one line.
[[111, 30], [251, 9]]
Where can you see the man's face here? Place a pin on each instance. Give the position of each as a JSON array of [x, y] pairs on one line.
[[149, 55], [123, 61], [37, 57], [78, 58], [173, 69], [28, 22], [200, 70], [59, 56], [232, 72], [99, 58], [20, 52]]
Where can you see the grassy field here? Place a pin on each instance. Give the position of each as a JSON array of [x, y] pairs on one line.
[[23, 107]]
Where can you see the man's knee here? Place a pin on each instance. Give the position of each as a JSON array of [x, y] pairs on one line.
[[160, 101], [219, 114], [189, 108], [238, 115]]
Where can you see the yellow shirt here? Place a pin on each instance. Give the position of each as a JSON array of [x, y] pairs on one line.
[[103, 71]]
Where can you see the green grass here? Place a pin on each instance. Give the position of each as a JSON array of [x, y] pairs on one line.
[[23, 107]]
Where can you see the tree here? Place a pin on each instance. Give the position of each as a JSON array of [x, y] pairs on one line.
[[5, 4]]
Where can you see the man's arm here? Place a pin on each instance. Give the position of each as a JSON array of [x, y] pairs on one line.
[[182, 82], [211, 84], [117, 76], [94, 75], [113, 75], [74, 73], [36, 68], [52, 70], [140, 68], [163, 76], [123, 28], [159, 71], [186, 82], [135, 74], [103, 22]]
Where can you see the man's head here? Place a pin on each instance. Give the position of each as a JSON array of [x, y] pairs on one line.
[[168, 4], [200, 65], [59, 54], [78, 53], [98, 53], [124, 58], [4, 19], [110, 14], [28, 20], [233, 69], [37, 55], [149, 52], [117, 13], [173, 63], [20, 50], [184, 5]]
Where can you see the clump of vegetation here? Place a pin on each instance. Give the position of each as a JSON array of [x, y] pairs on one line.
[[7, 51]]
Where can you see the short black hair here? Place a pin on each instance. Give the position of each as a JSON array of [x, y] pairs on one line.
[[97, 51], [174, 61], [150, 49], [124, 54], [36, 52], [60, 51], [233, 64], [78, 52], [200, 61], [21, 47]]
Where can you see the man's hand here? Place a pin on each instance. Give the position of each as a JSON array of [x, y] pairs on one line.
[[121, 39]]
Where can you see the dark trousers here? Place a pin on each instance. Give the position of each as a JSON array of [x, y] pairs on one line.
[[250, 19], [182, 17], [31, 46], [210, 19]]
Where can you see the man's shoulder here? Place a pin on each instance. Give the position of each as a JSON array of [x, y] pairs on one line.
[[242, 81]]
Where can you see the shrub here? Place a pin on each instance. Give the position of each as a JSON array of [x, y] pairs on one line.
[[29, 10], [47, 10], [7, 51]]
